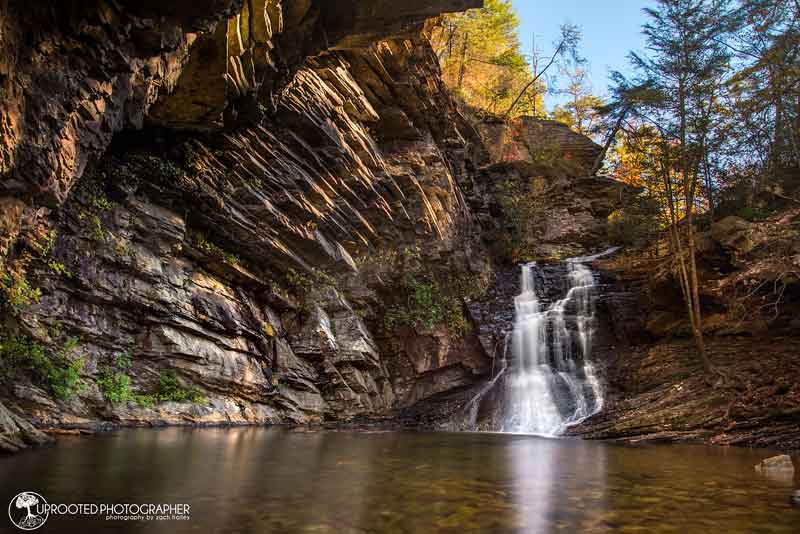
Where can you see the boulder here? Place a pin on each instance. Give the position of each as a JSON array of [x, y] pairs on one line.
[[734, 234], [776, 464], [16, 433]]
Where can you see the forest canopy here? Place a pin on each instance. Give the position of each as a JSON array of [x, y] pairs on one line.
[[481, 59]]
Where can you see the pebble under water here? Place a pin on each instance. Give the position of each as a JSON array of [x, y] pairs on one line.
[[299, 480]]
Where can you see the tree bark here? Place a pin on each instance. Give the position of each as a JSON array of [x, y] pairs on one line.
[[463, 65], [689, 184]]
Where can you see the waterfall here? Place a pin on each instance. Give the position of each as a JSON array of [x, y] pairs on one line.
[[553, 383], [469, 418]]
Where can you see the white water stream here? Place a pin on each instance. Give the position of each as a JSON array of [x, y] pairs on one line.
[[553, 383]]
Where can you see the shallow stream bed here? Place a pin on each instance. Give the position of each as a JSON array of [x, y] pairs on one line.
[[281, 480]]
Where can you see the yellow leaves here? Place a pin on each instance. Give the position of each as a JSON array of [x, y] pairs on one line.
[[479, 52], [267, 329]]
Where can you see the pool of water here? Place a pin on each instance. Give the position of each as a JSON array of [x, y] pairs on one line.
[[241, 480]]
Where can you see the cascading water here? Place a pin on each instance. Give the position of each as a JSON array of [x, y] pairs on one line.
[[552, 383]]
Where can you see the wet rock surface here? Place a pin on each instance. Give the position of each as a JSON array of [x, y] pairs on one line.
[[16, 433], [480, 406]]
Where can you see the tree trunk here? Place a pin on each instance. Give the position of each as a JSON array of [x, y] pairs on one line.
[[463, 65], [689, 185], [598, 162], [695, 287], [709, 186]]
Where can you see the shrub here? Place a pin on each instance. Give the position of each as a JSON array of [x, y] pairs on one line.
[[430, 303], [113, 381], [305, 281], [753, 214], [115, 386], [95, 204], [56, 370], [170, 389], [144, 401], [216, 251], [65, 380], [17, 292]]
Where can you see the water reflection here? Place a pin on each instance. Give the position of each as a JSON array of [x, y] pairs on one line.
[[278, 480], [547, 494]]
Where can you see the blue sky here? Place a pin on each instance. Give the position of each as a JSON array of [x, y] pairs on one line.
[[610, 30]]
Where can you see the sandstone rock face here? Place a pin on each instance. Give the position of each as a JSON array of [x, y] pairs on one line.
[[534, 194], [71, 78], [232, 228], [16, 433], [527, 141]]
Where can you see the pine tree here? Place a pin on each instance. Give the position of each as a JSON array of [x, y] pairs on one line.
[[685, 67]]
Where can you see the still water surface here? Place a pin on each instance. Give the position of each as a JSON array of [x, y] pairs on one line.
[[242, 480]]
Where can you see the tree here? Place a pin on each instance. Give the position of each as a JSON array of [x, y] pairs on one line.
[[479, 52], [566, 48], [533, 101], [765, 91], [625, 99], [685, 69], [579, 112]]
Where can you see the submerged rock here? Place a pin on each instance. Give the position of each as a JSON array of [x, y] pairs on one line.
[[782, 463]]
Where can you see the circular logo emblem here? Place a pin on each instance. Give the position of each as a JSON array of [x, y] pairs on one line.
[[23, 510]]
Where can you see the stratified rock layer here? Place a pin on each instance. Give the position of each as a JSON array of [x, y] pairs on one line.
[[224, 188]]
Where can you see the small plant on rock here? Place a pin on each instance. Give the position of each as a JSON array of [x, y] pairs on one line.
[[55, 369], [170, 389], [113, 380], [214, 250], [429, 303]]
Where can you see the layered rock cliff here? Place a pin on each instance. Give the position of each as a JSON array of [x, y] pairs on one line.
[[214, 195], [258, 211]]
